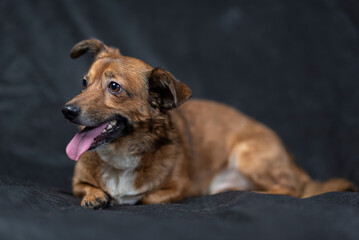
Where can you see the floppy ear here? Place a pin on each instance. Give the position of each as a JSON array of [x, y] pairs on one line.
[[95, 46], [166, 92]]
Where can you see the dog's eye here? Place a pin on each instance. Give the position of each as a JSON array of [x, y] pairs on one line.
[[114, 87], [84, 84]]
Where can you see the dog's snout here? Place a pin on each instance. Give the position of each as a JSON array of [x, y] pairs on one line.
[[71, 111]]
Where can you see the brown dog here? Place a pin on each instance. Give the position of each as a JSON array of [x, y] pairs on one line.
[[145, 148]]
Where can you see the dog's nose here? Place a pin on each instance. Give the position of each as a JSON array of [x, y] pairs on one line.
[[71, 112]]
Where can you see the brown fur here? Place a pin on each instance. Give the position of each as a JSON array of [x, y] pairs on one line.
[[179, 150]]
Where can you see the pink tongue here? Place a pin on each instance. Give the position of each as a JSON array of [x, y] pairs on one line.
[[82, 141]]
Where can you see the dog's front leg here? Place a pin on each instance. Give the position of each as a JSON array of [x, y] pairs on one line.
[[162, 196], [92, 197], [85, 183], [167, 194]]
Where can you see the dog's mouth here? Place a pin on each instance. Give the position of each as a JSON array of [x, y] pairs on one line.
[[90, 138]]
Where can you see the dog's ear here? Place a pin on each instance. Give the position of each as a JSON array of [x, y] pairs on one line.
[[94, 46], [166, 92]]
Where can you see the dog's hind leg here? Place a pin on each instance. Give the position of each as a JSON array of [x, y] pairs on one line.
[[267, 165], [229, 179]]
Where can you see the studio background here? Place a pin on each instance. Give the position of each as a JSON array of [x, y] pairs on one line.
[[292, 65]]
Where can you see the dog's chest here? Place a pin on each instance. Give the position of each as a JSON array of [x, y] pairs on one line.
[[119, 176], [120, 185]]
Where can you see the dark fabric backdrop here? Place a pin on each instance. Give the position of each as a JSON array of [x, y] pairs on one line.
[[292, 65]]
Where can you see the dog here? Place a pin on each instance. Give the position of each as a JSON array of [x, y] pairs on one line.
[[141, 141]]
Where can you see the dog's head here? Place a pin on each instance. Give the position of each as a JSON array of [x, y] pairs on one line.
[[118, 92]]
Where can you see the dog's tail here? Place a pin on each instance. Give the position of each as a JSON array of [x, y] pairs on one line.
[[313, 187]]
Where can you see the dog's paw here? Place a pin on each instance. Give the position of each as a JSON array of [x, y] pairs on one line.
[[95, 200]]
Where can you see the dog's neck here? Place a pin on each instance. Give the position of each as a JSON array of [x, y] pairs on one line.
[[127, 151]]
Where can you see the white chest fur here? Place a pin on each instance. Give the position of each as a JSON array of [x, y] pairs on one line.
[[120, 185], [118, 176]]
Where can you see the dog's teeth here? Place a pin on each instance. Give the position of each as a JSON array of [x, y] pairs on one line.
[[109, 126]]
